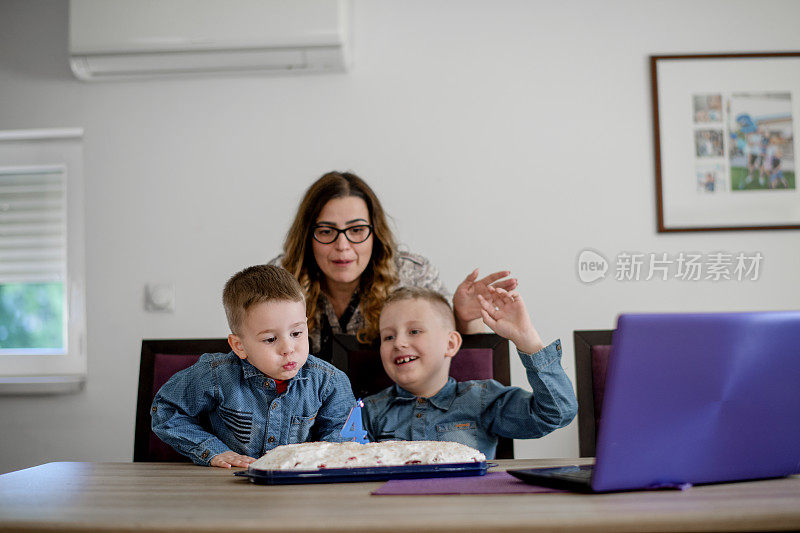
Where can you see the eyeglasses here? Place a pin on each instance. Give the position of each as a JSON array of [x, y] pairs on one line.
[[354, 234]]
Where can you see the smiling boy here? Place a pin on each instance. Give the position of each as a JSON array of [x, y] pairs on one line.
[[266, 392], [418, 342]]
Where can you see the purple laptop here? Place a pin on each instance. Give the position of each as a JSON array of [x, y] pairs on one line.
[[694, 398]]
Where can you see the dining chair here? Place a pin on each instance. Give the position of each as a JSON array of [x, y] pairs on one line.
[[161, 359], [592, 349], [481, 356]]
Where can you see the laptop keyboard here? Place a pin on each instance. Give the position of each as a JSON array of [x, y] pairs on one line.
[[582, 474], [577, 478]]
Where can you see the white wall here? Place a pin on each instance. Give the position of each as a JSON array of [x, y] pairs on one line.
[[510, 134]]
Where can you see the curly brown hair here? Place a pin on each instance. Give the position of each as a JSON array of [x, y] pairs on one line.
[[378, 278]]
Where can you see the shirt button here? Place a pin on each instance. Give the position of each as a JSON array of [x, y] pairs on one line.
[[420, 400], [271, 439], [266, 383], [419, 415], [274, 406], [205, 454], [154, 409]]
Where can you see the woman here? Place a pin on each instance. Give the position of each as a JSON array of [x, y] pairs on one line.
[[342, 252]]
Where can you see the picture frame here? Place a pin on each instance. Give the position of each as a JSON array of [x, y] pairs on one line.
[[725, 133]]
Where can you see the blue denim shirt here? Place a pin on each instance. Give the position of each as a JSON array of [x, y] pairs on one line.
[[244, 410], [476, 412]]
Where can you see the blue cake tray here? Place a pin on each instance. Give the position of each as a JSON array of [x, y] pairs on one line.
[[364, 473]]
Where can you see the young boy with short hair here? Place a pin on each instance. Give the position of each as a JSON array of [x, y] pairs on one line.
[[268, 391], [418, 341]]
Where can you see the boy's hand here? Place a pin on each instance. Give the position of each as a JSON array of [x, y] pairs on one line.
[[506, 314], [229, 459], [466, 305]]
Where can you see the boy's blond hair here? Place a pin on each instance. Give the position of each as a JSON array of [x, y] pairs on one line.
[[437, 301], [255, 285]]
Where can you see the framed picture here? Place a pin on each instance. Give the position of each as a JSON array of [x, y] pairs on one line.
[[725, 129]]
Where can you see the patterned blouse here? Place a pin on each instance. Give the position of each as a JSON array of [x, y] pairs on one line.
[[413, 271]]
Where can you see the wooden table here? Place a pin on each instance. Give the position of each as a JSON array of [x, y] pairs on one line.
[[146, 497]]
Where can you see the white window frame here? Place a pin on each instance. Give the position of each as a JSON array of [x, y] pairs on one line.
[[42, 372]]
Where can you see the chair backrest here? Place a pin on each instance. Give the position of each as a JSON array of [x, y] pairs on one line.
[[592, 349], [160, 360], [482, 356]]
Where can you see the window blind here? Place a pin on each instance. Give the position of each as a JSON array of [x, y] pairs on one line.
[[33, 218]]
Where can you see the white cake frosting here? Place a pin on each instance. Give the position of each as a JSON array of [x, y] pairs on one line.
[[315, 455]]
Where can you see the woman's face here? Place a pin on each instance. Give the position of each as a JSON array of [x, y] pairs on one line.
[[341, 261]]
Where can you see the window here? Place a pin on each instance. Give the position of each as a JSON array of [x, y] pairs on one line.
[[42, 331]]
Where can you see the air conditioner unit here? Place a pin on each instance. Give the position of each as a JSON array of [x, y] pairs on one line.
[[126, 39]]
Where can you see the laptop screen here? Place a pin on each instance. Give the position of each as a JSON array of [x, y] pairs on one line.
[[700, 398]]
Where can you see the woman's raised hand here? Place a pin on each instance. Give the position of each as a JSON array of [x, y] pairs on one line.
[[466, 305]]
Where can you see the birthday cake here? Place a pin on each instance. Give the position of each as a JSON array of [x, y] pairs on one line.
[[317, 455]]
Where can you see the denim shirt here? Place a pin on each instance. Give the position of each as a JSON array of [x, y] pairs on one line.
[[243, 409], [477, 412]]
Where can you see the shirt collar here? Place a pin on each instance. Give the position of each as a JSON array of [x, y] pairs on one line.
[[249, 371], [441, 400], [444, 398]]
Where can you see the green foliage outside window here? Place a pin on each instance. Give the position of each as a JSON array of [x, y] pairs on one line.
[[32, 315]]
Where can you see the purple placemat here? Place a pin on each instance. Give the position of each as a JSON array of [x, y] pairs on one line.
[[491, 483]]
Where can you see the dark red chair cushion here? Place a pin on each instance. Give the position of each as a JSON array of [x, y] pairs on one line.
[[164, 367], [472, 363]]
